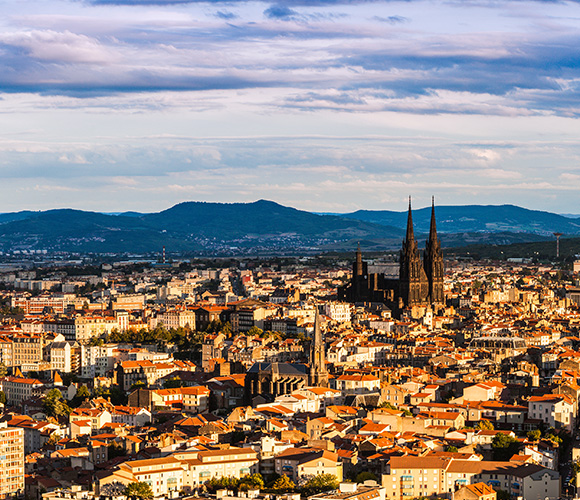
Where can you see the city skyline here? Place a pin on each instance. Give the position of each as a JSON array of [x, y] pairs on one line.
[[320, 105]]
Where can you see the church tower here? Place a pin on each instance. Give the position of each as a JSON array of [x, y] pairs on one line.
[[413, 283], [318, 373], [434, 262], [359, 278]]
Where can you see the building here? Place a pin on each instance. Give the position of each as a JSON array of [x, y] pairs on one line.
[[18, 389], [318, 372], [12, 463], [477, 491], [420, 283], [175, 319], [301, 463], [412, 476], [555, 410], [338, 311]]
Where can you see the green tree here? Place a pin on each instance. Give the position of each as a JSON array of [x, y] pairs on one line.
[[82, 395], [252, 482], [2, 397], [96, 341], [226, 329], [504, 446], [255, 332], [54, 405], [484, 425], [283, 484], [320, 483], [3, 370], [139, 490], [223, 483], [557, 440], [534, 435], [138, 385], [83, 392], [452, 449]]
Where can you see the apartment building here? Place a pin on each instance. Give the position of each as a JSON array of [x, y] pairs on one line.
[[555, 410], [175, 319], [358, 384], [412, 476], [203, 465], [12, 463], [338, 311], [18, 389]]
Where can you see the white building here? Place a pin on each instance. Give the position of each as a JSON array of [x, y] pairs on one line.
[[555, 410]]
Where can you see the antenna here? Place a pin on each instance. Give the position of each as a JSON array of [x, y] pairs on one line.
[[557, 235]]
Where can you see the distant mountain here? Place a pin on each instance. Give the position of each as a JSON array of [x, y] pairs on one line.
[[191, 226], [475, 218], [218, 228]]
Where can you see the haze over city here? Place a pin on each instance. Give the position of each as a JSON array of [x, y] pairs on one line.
[[320, 105]]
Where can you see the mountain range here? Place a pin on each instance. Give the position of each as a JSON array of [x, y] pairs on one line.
[[213, 228]]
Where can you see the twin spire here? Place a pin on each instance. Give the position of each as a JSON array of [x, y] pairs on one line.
[[433, 228]]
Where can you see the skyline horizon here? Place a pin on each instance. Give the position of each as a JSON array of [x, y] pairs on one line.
[[315, 212]]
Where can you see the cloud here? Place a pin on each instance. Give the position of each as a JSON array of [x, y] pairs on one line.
[[227, 15], [280, 12], [65, 47], [391, 19]]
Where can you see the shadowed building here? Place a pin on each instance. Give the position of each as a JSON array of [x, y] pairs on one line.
[[420, 282], [270, 380]]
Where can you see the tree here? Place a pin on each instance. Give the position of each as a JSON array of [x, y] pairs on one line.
[[2, 397], [320, 483], [138, 385], [452, 449], [138, 490], [504, 446], [252, 482], [283, 484], [223, 483], [484, 425], [255, 332], [83, 392], [534, 435], [54, 406]]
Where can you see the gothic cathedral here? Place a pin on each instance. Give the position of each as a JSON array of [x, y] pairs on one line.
[[420, 282]]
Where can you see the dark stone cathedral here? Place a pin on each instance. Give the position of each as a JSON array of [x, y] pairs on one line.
[[420, 283]]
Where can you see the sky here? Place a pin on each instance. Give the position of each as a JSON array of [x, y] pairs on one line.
[[322, 105]]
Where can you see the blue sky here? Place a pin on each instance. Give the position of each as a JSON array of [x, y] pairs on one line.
[[323, 105]]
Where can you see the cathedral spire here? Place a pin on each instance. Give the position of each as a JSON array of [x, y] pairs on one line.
[[318, 372], [433, 228], [410, 235], [317, 331]]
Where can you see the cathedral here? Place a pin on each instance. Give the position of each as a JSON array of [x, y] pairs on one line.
[[420, 283], [266, 381]]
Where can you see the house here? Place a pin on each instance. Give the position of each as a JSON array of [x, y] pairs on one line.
[[555, 410], [477, 491], [298, 463]]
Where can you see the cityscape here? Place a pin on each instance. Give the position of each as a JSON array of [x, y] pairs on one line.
[[289, 250], [405, 375]]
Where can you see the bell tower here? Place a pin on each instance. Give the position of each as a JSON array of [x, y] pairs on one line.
[[318, 373], [434, 262], [413, 283]]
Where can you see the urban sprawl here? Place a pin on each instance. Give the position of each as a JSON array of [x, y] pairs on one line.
[[455, 379]]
